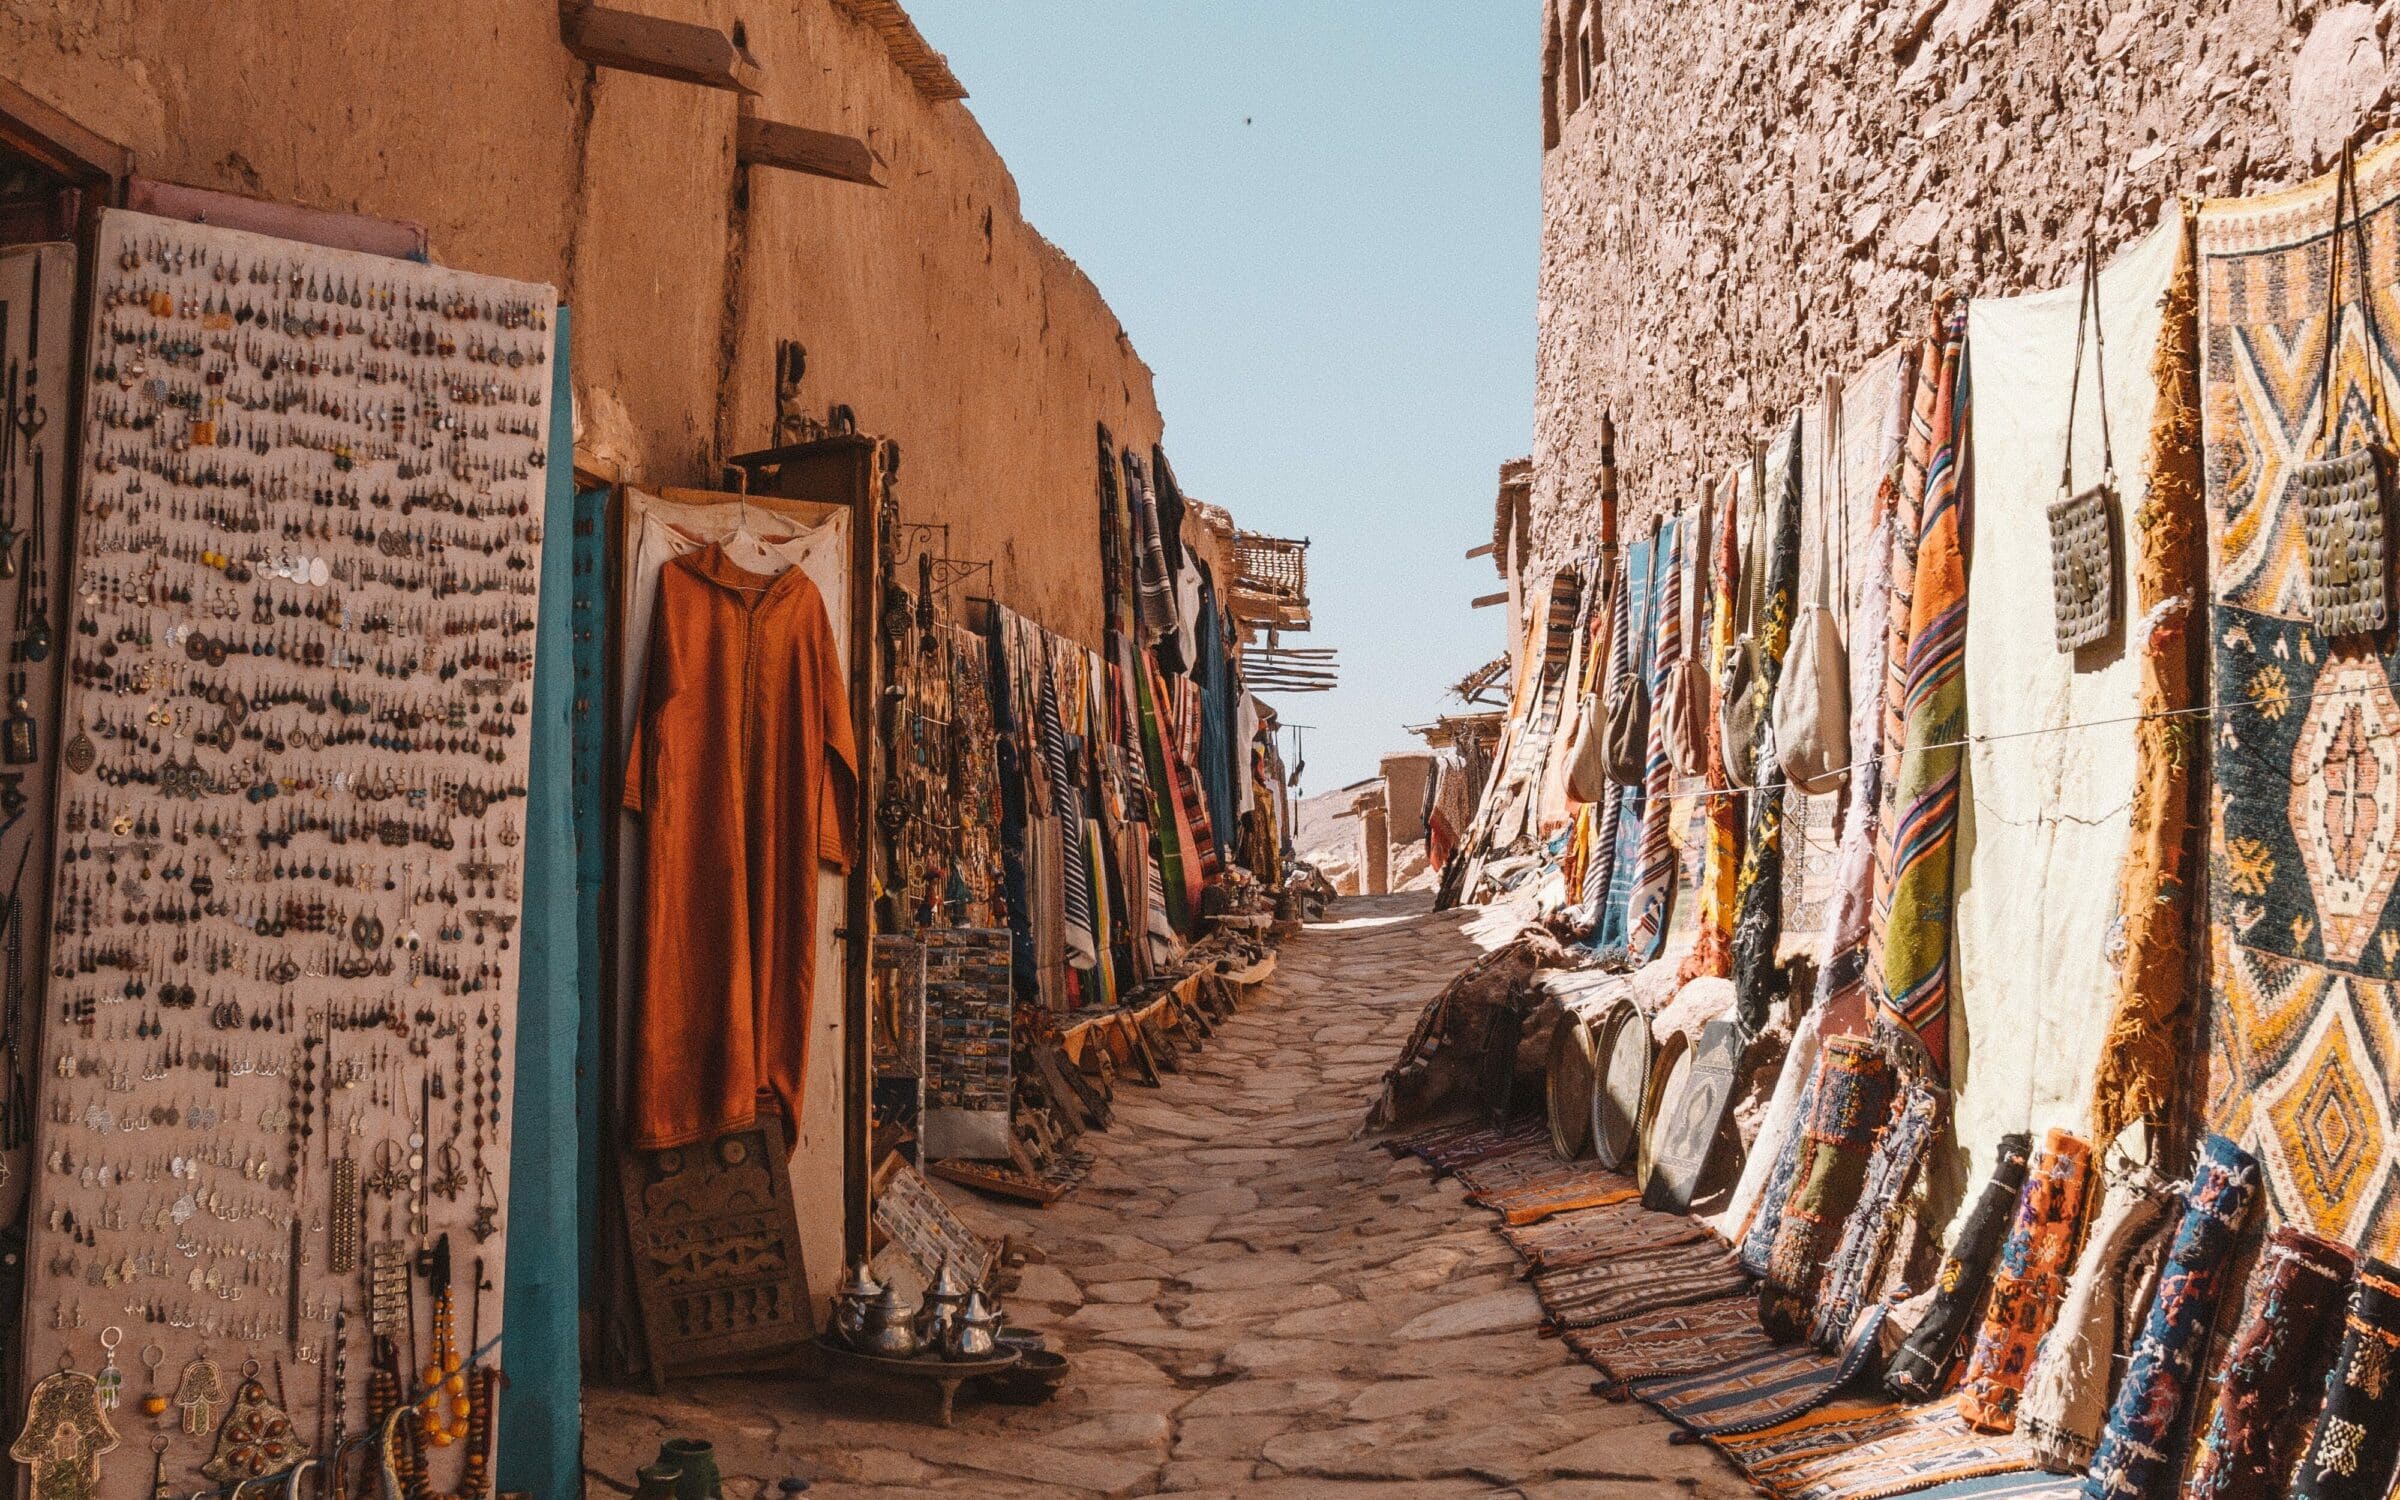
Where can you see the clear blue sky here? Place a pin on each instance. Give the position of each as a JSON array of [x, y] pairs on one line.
[[1319, 221]]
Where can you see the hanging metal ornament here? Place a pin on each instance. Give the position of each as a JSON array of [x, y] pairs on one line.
[[200, 1393], [258, 1436], [66, 1434]]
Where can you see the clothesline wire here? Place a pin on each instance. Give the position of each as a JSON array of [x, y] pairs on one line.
[[1886, 758]]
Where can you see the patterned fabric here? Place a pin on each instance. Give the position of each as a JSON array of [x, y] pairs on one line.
[[1883, 1204], [1599, 872], [2275, 1373], [1066, 805], [1908, 508], [2066, 1398], [1446, 1148], [2029, 1283], [2358, 1432], [1774, 1383], [2135, 1449], [1529, 1188], [1916, 946], [1921, 1367], [1758, 891], [1616, 911], [1758, 1242], [2304, 829], [1653, 898], [1639, 1281], [1581, 1236], [1854, 1099], [2138, 1066], [1721, 847], [1849, 1453], [1671, 1341]]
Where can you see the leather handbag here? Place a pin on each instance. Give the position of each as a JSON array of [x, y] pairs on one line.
[[2344, 496], [1812, 697], [1587, 768], [2083, 539], [1738, 708], [1683, 725]]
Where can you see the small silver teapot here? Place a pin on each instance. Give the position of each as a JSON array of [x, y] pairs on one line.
[[943, 1301], [975, 1332], [887, 1332], [851, 1302]]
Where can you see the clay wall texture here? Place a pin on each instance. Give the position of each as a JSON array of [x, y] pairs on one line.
[[930, 306], [1758, 193]]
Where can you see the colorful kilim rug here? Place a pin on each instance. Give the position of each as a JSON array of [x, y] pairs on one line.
[[1640, 1281], [1672, 1341], [1775, 1384], [1526, 1187], [2004, 1487], [2304, 828], [1848, 1452], [1584, 1235]]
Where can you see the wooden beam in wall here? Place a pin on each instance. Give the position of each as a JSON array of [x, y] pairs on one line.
[[1485, 550], [30, 127], [1488, 600], [679, 50], [796, 148]]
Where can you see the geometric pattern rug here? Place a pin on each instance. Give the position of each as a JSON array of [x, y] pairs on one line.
[[2303, 1017], [1773, 1385], [1446, 1148], [1672, 1341], [1579, 1237], [1640, 1281], [1526, 1187], [1867, 1452]]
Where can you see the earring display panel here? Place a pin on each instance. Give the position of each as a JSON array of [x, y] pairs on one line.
[[273, 1152]]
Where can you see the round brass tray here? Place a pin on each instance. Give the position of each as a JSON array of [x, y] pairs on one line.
[[949, 1374]]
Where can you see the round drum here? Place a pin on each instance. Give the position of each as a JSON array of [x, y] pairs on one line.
[[1667, 1073], [1622, 1051], [1570, 1081]]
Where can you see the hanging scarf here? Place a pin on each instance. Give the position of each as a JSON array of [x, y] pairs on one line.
[[2135, 1447], [1854, 1099], [1083, 950], [1781, 1136], [2028, 1284], [2358, 1433], [2066, 1396], [1758, 894], [1600, 871], [1721, 853], [1921, 1368], [2275, 1373], [1928, 399], [1653, 900], [1916, 950]]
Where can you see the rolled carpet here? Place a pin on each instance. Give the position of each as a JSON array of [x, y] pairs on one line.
[[2029, 1283], [2134, 1452], [2066, 1399], [2275, 1373], [1854, 1098], [1922, 1366], [2358, 1433]]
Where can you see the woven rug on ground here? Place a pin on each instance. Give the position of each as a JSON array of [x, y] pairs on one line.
[[1853, 1453], [1581, 1236], [1639, 1282], [1671, 1341], [2004, 1487], [1776, 1384], [2303, 1019], [1446, 1148], [1526, 1187]]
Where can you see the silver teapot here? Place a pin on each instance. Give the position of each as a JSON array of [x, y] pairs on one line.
[[943, 1301], [887, 1330], [975, 1332], [851, 1303]]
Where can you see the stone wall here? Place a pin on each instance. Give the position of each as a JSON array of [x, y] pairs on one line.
[[930, 306], [1750, 194]]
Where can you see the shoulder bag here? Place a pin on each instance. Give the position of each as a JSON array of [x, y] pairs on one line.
[[2343, 495], [1812, 697], [2083, 540], [1683, 726], [1737, 685]]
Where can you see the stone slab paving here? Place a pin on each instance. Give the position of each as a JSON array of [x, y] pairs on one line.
[[1257, 1302]]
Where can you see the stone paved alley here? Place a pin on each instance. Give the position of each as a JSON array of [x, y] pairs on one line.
[[1256, 1300]]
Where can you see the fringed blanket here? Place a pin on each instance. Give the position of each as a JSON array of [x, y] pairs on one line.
[[1853, 1453]]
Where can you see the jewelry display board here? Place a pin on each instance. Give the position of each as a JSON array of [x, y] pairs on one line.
[[970, 1004], [282, 986], [37, 330]]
